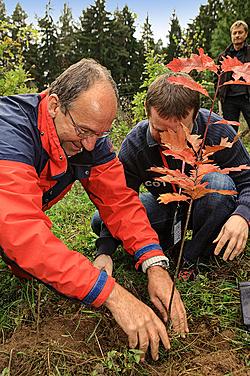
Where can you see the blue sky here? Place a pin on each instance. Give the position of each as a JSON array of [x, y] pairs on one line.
[[159, 11]]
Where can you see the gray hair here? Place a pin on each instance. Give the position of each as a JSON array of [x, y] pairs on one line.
[[171, 100], [78, 78], [238, 24]]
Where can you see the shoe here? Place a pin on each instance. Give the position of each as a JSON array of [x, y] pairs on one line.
[[188, 272]]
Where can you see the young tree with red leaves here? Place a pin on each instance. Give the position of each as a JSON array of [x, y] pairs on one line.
[[201, 170]]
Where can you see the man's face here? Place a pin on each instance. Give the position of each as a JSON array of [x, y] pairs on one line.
[[87, 118], [238, 36], [157, 124]]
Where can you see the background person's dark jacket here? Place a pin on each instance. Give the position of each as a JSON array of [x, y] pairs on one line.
[[244, 57]]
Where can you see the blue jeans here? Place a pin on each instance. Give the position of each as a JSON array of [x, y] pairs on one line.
[[208, 216]]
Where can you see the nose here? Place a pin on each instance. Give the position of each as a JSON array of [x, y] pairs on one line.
[[89, 143]]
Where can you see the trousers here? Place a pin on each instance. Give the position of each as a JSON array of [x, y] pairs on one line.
[[208, 215]]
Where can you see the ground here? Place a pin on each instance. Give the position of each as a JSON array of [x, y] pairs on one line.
[[43, 334]]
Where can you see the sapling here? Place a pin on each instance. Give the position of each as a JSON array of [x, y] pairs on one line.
[[191, 148]]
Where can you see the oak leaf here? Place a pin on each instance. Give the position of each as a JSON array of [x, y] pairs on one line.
[[236, 168], [199, 62], [186, 155], [200, 190], [176, 140], [209, 150], [242, 71], [189, 83], [229, 63], [166, 198], [236, 82], [229, 122]]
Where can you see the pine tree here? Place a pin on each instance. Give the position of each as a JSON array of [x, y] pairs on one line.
[[132, 61], [93, 32], [3, 15], [48, 47], [66, 39], [175, 39], [147, 36]]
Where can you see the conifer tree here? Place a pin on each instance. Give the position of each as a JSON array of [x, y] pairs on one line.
[[175, 39], [66, 39], [147, 36], [48, 47], [93, 32]]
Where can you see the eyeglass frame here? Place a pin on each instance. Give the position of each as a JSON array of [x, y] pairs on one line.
[[85, 132]]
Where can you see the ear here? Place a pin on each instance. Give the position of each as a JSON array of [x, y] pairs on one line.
[[53, 105]]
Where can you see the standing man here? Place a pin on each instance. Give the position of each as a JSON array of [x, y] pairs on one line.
[[220, 223], [48, 141], [236, 98]]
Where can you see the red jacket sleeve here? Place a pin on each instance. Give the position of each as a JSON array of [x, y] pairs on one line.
[[122, 211], [27, 240]]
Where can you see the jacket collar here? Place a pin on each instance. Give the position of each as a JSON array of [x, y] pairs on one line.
[[49, 138]]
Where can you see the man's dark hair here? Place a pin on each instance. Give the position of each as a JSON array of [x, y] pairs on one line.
[[171, 100], [78, 78]]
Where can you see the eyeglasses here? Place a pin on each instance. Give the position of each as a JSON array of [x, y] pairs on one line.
[[85, 132]]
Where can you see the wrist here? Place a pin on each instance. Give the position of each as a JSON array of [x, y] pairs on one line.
[[160, 261]]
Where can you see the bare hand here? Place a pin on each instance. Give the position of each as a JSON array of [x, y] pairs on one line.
[[104, 262], [234, 233], [138, 321], [159, 289]]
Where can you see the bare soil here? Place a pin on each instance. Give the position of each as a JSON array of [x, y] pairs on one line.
[[77, 344]]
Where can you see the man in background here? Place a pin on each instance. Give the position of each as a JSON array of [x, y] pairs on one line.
[[236, 98]]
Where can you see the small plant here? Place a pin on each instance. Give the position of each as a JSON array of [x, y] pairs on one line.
[[191, 149]]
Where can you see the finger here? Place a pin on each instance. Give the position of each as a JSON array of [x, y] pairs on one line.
[[230, 247], [132, 340], [143, 342], [161, 308], [219, 236], [220, 245], [154, 339], [163, 334], [179, 317], [238, 249]]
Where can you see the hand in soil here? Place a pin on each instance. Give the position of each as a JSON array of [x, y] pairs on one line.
[[104, 262], [159, 289], [139, 322]]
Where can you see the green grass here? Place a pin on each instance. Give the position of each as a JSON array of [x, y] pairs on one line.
[[44, 334]]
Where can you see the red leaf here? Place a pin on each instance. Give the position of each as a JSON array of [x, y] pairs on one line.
[[164, 170], [170, 197], [199, 62], [229, 63], [242, 71], [230, 122], [200, 191], [209, 150], [193, 139], [236, 82], [186, 155], [185, 183], [237, 168], [189, 83], [204, 169], [175, 140]]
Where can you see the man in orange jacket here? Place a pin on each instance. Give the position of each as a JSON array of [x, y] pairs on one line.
[[48, 141]]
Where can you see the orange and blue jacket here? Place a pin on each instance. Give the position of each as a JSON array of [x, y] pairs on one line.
[[34, 174]]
